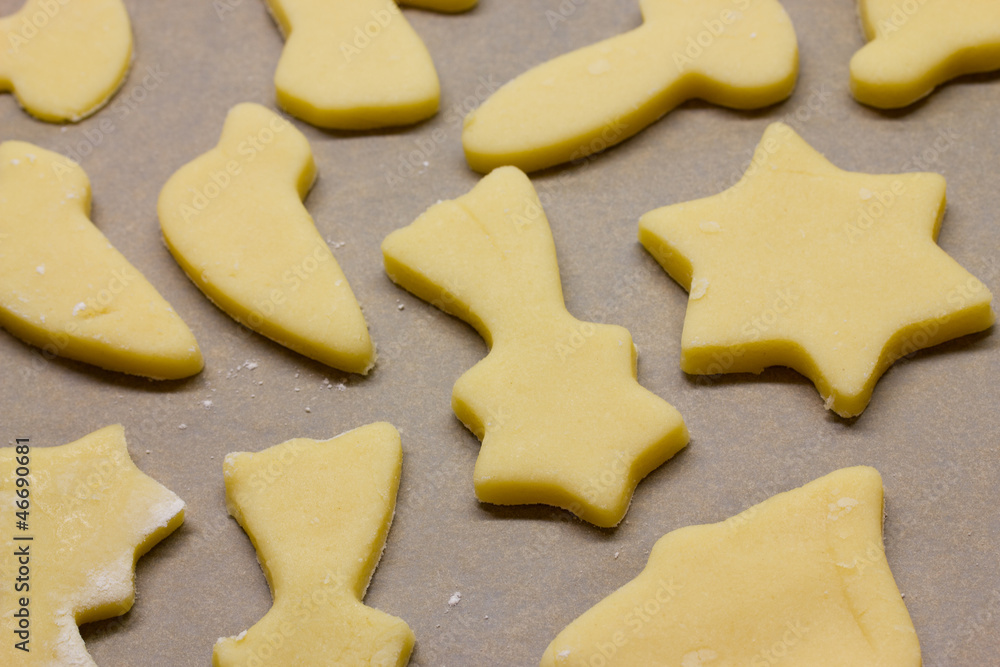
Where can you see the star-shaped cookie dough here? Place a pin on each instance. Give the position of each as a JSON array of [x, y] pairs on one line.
[[915, 46], [835, 274], [85, 514]]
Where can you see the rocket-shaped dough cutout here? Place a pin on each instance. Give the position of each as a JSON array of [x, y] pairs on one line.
[[556, 403], [742, 55], [916, 46], [64, 287], [234, 220], [800, 579], [318, 513], [64, 59], [88, 515], [355, 64]]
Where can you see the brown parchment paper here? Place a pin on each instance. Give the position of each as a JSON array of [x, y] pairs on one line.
[[524, 573]]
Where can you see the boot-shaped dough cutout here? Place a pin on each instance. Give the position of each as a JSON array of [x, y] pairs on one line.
[[64, 287], [234, 220]]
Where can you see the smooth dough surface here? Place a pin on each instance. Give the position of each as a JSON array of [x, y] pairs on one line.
[[833, 273], [918, 45], [64, 287], [92, 514], [355, 64], [734, 53], [556, 403], [64, 59], [800, 579], [234, 220], [318, 513]]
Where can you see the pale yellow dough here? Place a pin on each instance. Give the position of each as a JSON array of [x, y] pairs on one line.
[[556, 402], [737, 53], [318, 514], [355, 64], [64, 59], [65, 289], [833, 273], [234, 220], [916, 45], [800, 579], [92, 514]]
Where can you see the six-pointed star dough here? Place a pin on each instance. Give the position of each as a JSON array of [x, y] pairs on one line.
[[742, 55], [800, 579], [556, 402], [355, 64], [318, 514], [917, 45], [65, 59], [833, 273], [92, 514]]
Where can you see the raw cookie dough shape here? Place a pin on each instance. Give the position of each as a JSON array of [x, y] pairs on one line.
[[836, 274], [318, 514], [65, 289], [799, 579], [355, 64], [92, 515], [582, 102], [915, 47], [556, 403], [234, 220], [65, 59]]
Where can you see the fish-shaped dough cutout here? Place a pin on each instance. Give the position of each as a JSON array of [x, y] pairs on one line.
[[88, 515], [64, 59], [356, 64], [556, 402], [234, 220], [800, 579], [318, 514], [734, 53], [64, 287]]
